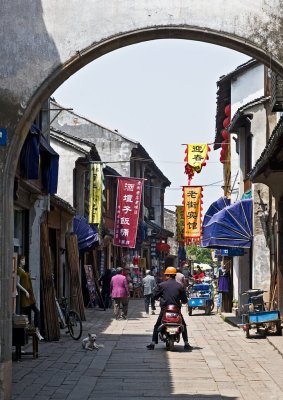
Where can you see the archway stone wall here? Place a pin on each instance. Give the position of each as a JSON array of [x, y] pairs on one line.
[[45, 42]]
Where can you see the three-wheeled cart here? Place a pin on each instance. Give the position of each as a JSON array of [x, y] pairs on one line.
[[256, 316], [201, 297], [262, 321]]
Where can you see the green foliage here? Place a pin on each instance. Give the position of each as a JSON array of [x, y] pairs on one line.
[[201, 254]]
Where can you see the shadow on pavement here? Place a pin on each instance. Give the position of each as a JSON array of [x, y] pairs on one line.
[[124, 368]]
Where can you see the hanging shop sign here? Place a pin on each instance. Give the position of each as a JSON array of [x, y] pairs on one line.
[[192, 198], [180, 223], [95, 194], [195, 158], [127, 211], [3, 136], [153, 247], [232, 252]]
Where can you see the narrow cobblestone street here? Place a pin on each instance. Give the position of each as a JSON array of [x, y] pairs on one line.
[[223, 364]]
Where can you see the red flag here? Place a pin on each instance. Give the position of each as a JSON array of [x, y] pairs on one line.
[[127, 211]]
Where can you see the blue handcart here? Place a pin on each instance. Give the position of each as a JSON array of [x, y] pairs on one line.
[[256, 316], [201, 297]]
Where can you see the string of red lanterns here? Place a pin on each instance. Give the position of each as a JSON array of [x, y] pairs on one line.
[[225, 134]]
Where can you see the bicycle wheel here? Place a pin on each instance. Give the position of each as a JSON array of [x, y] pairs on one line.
[[75, 325]]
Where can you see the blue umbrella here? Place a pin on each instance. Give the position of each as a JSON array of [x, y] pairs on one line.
[[230, 227]]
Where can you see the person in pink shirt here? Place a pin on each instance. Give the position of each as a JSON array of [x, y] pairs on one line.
[[120, 294]]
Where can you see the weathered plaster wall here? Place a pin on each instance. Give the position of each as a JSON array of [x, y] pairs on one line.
[[45, 42], [113, 148], [260, 194], [261, 242]]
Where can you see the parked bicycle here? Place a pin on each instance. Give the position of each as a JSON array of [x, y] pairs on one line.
[[69, 319]]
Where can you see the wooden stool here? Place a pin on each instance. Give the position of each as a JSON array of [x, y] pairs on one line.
[[35, 341], [20, 339]]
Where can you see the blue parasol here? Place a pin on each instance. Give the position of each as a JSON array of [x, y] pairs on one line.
[[230, 227]]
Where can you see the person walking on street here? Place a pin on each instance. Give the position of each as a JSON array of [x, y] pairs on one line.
[[148, 287], [170, 292], [120, 294], [105, 288], [180, 278]]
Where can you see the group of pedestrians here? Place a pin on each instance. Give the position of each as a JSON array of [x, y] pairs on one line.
[[172, 291], [114, 287]]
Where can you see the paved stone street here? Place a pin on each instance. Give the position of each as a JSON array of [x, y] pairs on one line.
[[223, 365]]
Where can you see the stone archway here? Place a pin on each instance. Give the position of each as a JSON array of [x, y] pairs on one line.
[[45, 42]]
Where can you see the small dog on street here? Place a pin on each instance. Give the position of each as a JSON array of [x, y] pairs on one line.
[[89, 343]]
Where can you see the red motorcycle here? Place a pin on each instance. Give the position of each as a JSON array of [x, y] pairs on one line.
[[171, 326]]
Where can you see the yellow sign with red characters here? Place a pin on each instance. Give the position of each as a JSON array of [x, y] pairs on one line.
[[192, 199], [197, 154]]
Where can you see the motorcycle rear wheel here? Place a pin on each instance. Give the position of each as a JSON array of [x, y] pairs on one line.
[[170, 344]]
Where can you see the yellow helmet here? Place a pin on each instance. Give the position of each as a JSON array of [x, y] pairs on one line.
[[170, 271]]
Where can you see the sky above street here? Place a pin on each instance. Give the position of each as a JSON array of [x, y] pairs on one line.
[[162, 94]]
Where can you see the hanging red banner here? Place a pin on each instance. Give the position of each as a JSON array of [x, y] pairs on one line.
[[192, 198], [127, 211]]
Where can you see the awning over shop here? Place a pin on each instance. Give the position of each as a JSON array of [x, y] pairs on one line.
[[214, 208], [37, 153], [161, 233], [230, 227], [87, 233], [29, 157], [50, 165]]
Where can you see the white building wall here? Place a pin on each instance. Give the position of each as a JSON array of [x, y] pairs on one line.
[[235, 170], [39, 207], [247, 87], [67, 162]]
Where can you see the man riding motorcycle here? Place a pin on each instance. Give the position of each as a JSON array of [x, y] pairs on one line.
[[170, 292]]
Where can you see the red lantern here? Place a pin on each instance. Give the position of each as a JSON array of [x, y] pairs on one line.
[[227, 110], [222, 155], [226, 122], [225, 134], [165, 247], [224, 145]]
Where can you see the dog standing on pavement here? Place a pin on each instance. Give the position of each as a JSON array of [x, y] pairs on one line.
[[89, 343]]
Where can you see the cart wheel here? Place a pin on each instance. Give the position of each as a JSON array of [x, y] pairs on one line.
[[190, 310], [278, 328], [207, 310]]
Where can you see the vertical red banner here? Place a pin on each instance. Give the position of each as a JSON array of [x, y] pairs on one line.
[[127, 211]]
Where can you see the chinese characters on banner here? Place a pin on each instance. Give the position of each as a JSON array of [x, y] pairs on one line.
[[95, 194], [192, 197], [196, 156], [180, 223], [127, 211]]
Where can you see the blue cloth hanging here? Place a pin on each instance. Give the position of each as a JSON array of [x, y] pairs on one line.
[[86, 233]]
